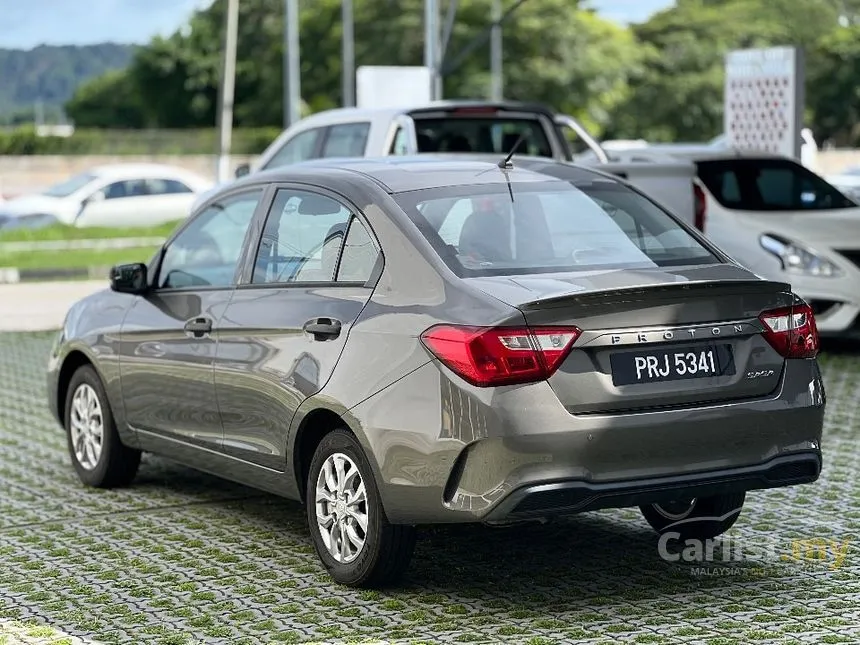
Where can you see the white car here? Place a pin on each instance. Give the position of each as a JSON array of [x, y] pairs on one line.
[[119, 195], [808, 147], [848, 181], [784, 222]]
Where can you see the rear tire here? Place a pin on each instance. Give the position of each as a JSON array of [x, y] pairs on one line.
[[342, 499], [98, 455], [698, 519]]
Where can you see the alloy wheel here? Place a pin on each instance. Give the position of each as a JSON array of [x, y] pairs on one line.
[[87, 427], [341, 508]]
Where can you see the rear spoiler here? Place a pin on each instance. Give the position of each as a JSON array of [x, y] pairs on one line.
[[638, 292]]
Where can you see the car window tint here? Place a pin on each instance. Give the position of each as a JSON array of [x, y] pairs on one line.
[[206, 253], [491, 135], [769, 184], [346, 140], [549, 226], [166, 187], [301, 239], [359, 254], [301, 147], [399, 144], [127, 188]]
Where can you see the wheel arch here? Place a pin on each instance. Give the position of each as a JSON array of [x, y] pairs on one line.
[[71, 363], [313, 422]]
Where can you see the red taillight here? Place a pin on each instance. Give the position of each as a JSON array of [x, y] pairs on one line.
[[701, 207], [489, 356], [475, 109], [792, 331]]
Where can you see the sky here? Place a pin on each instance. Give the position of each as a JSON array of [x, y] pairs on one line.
[[26, 24]]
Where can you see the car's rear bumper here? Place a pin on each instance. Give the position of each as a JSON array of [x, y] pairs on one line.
[[566, 497], [461, 454]]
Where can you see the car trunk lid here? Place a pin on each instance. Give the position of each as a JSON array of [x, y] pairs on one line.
[[667, 338]]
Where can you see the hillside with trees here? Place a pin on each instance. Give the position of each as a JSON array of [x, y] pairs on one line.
[[50, 75]]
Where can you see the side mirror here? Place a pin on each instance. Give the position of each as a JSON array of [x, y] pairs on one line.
[[98, 196], [129, 278], [242, 170]]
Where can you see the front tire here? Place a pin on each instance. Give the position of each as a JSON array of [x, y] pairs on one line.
[[699, 519], [98, 455], [351, 534]]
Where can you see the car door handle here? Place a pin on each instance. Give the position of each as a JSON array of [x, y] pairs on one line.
[[323, 328], [198, 327]]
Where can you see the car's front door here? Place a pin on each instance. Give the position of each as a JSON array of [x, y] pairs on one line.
[[115, 205], [284, 330], [170, 334]]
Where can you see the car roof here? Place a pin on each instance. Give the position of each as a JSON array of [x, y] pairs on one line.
[[398, 174], [340, 115], [132, 170], [720, 154]]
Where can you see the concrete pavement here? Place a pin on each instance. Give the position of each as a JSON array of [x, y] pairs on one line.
[[41, 306]]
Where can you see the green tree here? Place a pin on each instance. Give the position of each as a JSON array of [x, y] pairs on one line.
[[107, 101], [554, 53], [679, 94], [833, 91]]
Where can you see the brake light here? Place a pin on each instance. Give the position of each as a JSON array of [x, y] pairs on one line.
[[701, 207], [476, 109], [490, 356], [792, 331]]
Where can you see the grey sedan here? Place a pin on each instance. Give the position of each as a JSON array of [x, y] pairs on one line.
[[412, 341]]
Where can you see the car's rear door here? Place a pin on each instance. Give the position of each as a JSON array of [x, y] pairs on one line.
[[287, 323], [169, 335]]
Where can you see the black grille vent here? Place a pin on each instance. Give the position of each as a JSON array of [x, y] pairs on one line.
[[852, 255]]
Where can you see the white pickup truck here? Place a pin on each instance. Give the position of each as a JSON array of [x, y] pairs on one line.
[[479, 127]]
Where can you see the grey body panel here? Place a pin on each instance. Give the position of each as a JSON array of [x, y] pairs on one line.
[[443, 450]]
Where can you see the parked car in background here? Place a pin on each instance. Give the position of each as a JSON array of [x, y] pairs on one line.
[[417, 340], [784, 222], [471, 127], [118, 195], [848, 181], [808, 147]]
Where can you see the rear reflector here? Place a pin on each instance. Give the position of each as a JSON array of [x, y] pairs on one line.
[[701, 206], [490, 356], [792, 331]]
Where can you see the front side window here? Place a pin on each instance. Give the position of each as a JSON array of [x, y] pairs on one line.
[[552, 226], [346, 140], [126, 188], [207, 251], [301, 147], [769, 184], [302, 239]]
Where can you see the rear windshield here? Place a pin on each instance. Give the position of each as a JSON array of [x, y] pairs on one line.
[[545, 227], [493, 134], [769, 185]]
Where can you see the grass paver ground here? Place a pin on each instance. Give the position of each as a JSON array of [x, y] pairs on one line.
[[183, 557]]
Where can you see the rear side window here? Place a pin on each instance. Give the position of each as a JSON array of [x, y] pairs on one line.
[[553, 226], [346, 140], [495, 135], [768, 185]]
